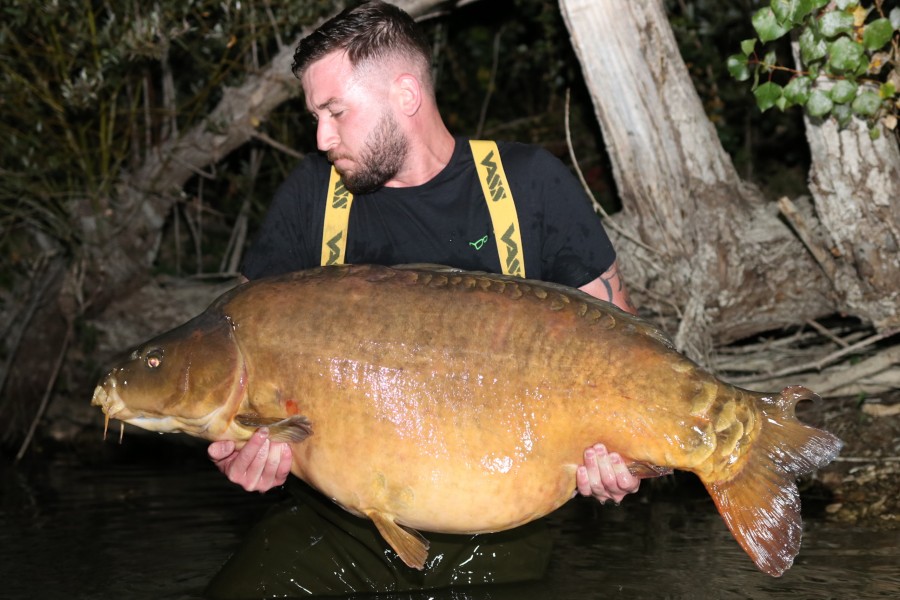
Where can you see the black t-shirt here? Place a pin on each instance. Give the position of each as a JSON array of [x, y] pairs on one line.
[[444, 221]]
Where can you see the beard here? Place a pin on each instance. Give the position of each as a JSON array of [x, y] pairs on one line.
[[385, 151]]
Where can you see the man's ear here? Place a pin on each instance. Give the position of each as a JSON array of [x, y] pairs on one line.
[[407, 94]]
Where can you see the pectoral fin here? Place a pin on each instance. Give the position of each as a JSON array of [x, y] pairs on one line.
[[291, 429], [643, 470], [407, 543]]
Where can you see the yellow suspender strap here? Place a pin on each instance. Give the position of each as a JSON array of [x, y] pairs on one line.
[[496, 191], [337, 217], [500, 203]]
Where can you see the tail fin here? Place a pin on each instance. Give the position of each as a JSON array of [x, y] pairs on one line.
[[761, 504]]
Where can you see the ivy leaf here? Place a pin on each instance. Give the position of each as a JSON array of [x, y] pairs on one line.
[[737, 67], [842, 113], [767, 26], [747, 46], [846, 55], [783, 9], [835, 23], [812, 47], [887, 90], [877, 33], [843, 91], [767, 95], [819, 104], [792, 11], [797, 90], [874, 132], [867, 103]]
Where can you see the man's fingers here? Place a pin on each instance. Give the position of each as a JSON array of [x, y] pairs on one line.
[[604, 475], [284, 465], [626, 482], [219, 450]]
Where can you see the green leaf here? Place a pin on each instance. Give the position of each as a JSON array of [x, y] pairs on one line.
[[846, 55], [877, 33], [812, 47], [747, 46], [887, 90], [874, 132], [819, 104], [843, 91], [767, 26], [766, 95], [737, 67], [867, 103], [842, 113], [791, 11], [835, 23], [797, 90]]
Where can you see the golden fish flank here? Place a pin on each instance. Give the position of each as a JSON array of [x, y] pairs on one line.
[[463, 401]]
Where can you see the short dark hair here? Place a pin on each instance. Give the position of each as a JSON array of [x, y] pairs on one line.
[[372, 30]]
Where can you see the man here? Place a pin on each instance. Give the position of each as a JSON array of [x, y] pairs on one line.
[[416, 199]]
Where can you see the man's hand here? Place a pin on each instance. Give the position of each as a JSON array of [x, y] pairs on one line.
[[604, 476], [257, 467]]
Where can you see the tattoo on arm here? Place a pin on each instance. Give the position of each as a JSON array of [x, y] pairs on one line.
[[614, 286]]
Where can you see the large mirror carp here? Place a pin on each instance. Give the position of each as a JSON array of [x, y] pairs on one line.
[[448, 401]]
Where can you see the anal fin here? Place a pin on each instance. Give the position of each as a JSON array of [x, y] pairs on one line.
[[292, 429], [409, 544]]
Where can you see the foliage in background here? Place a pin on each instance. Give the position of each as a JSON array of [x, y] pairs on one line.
[[849, 57], [88, 89], [769, 150]]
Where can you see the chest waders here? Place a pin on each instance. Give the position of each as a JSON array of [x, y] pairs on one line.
[[497, 195]]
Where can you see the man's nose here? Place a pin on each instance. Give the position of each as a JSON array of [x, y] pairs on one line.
[[326, 136]]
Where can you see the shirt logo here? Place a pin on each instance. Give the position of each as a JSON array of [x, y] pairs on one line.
[[479, 244]]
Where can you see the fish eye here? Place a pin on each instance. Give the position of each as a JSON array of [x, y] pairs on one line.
[[154, 358]]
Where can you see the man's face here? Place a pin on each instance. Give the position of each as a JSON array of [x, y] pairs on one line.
[[355, 123]]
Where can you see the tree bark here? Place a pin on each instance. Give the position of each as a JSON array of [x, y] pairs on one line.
[[855, 184], [702, 247]]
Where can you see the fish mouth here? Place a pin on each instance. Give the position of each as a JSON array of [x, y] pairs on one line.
[[109, 401]]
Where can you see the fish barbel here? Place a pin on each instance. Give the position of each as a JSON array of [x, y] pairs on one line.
[[448, 401]]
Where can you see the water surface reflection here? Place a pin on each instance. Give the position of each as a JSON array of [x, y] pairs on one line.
[[117, 524]]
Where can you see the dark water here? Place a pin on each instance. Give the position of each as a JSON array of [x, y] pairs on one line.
[[117, 524]]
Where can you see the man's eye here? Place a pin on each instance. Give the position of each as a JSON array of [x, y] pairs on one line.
[[337, 114]]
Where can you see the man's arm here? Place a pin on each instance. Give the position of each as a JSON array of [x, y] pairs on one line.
[[610, 287]]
